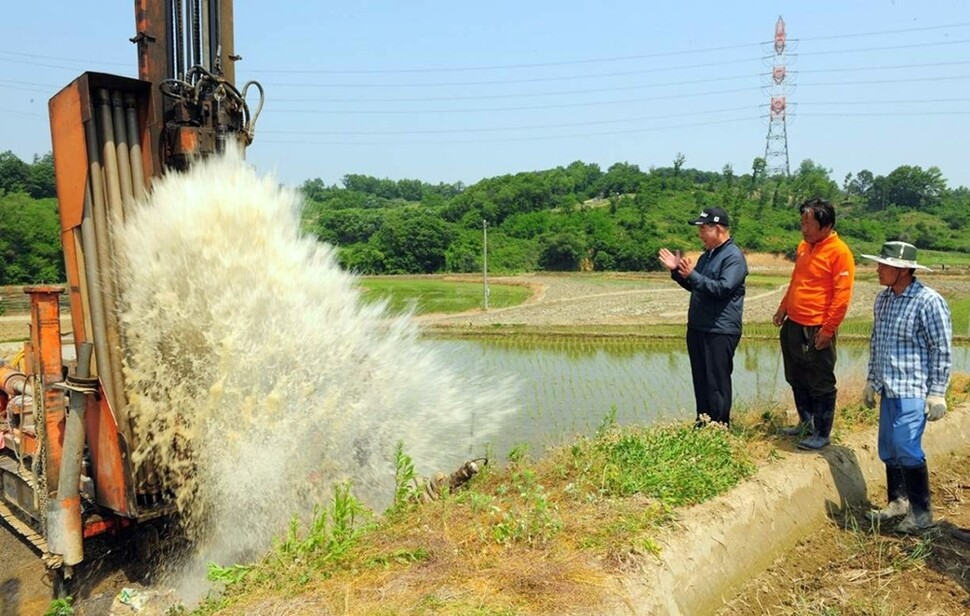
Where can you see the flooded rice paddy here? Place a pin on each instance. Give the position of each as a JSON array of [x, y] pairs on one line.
[[565, 387]]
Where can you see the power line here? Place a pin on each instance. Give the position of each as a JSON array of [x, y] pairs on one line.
[[598, 75], [452, 84], [963, 24], [59, 59], [881, 68], [518, 139], [462, 69], [885, 48], [39, 61], [534, 107], [604, 60], [574, 105], [862, 82], [85, 66], [478, 97], [883, 101], [885, 113], [45, 89], [25, 114], [437, 131], [683, 52]]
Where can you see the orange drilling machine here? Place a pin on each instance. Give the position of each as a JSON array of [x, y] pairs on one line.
[[66, 438]]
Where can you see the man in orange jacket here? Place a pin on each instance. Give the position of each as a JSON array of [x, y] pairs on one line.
[[809, 316]]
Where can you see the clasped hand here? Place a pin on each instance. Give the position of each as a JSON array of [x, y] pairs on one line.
[[674, 261]]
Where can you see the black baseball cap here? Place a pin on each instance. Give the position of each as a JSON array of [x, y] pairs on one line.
[[711, 215]]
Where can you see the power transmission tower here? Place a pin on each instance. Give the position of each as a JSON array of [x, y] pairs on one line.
[[776, 143]]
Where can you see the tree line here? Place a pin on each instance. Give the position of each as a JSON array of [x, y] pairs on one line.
[[577, 217], [580, 217]]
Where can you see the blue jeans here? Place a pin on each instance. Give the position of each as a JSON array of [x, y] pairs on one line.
[[901, 425]]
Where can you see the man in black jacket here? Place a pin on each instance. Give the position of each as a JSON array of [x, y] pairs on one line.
[[716, 285]]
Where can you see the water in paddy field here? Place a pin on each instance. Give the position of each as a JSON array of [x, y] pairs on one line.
[[260, 377]]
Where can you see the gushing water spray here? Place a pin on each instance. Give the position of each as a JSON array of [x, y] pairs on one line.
[[257, 377]]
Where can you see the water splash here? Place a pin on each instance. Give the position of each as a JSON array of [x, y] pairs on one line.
[[257, 377]]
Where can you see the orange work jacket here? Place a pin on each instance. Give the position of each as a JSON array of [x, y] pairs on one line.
[[821, 284]]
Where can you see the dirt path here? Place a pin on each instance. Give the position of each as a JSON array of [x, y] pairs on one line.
[[24, 587]]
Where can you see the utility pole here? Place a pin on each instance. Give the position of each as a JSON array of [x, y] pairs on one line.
[[485, 261], [776, 143]]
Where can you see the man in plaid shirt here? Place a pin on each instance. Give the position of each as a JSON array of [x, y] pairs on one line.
[[909, 367]]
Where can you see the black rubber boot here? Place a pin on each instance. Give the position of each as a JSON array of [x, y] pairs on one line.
[[806, 422], [804, 405], [896, 497], [824, 411], [919, 517]]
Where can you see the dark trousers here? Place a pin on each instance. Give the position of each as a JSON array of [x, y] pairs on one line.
[[711, 365], [805, 367]]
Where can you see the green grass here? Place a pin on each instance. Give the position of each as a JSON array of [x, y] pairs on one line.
[[430, 295], [676, 464], [934, 258]]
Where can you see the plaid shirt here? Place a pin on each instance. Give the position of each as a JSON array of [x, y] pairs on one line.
[[909, 352]]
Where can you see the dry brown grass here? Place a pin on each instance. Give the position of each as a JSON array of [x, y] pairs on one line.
[[461, 574]]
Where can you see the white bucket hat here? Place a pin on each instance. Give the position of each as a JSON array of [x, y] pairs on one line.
[[898, 254]]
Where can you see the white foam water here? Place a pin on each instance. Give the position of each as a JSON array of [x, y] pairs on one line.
[[257, 377]]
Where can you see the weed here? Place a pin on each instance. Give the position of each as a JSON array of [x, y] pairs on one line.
[[518, 453], [401, 557], [679, 465], [479, 502], [916, 556], [329, 536], [60, 607], [859, 415], [608, 423], [405, 479], [632, 530], [528, 516], [233, 574]]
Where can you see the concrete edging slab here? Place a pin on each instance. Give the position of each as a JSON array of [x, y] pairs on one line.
[[721, 544]]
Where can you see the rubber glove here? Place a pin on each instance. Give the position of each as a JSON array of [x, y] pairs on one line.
[[935, 407], [869, 396]]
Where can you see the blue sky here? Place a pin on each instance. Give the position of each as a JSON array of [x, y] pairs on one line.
[[458, 91]]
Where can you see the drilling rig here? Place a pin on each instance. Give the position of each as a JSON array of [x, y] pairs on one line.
[[66, 436]]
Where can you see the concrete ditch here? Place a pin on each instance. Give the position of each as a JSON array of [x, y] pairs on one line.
[[719, 545]]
